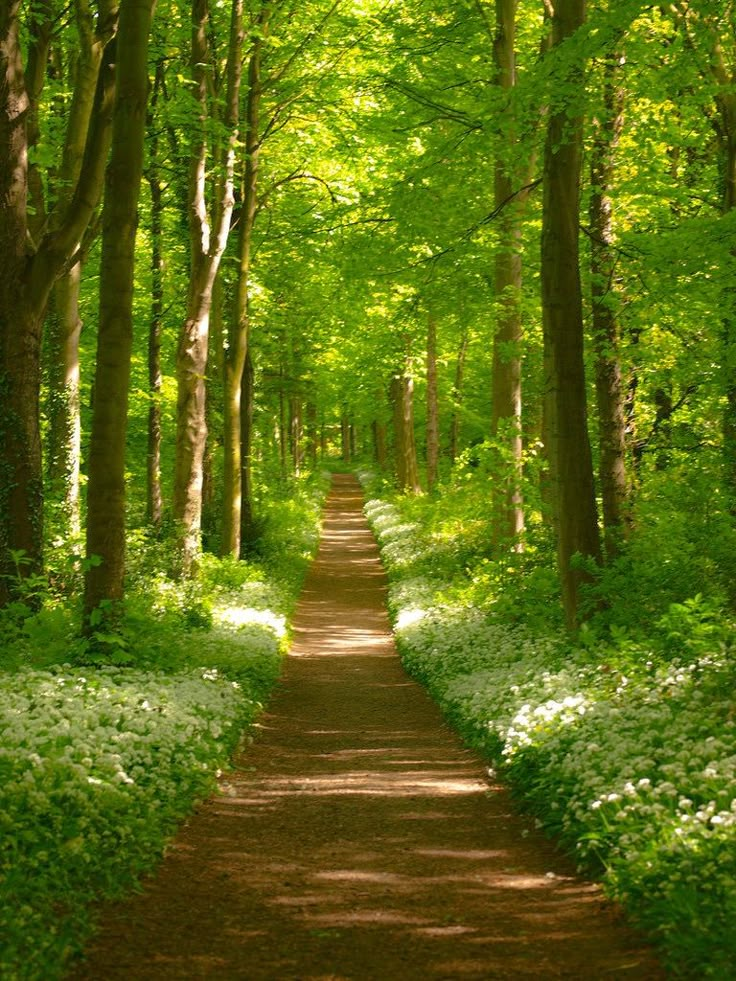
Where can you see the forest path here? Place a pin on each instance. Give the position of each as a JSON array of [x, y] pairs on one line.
[[359, 839]]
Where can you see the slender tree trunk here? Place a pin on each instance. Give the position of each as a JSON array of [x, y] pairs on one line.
[[63, 444], [64, 441], [282, 433], [312, 448], [563, 333], [727, 107], [154, 496], [206, 248], [606, 330], [395, 395], [433, 422], [211, 511], [402, 397], [247, 516], [106, 493], [506, 402], [457, 396], [296, 433], [379, 443], [234, 361], [345, 436]]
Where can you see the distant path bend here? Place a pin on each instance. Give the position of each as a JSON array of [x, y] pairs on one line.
[[360, 841]]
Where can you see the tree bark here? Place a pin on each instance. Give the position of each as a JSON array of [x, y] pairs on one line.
[[563, 332], [106, 491], [296, 433], [506, 402], [247, 515], [345, 436], [726, 102], [27, 274], [234, 360], [402, 397], [206, 248], [457, 396], [63, 444], [312, 448], [379, 443], [20, 466], [433, 422], [605, 324], [64, 441], [154, 494]]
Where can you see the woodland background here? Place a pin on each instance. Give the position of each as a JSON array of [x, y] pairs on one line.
[[486, 249]]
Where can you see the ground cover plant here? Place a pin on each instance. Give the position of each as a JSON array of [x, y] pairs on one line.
[[100, 762], [623, 744]]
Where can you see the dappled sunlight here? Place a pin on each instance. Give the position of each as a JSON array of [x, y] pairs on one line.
[[375, 783], [357, 838], [408, 617], [239, 616]]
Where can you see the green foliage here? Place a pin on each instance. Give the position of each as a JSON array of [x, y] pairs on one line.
[[107, 745], [621, 740]]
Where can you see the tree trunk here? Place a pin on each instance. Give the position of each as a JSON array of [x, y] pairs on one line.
[[345, 436], [606, 330], [402, 397], [506, 402], [64, 440], [295, 433], [282, 434], [433, 423], [563, 333], [457, 396], [206, 249], [154, 496], [63, 443], [106, 492], [26, 280], [727, 113], [379, 443], [312, 449], [234, 361], [247, 516]]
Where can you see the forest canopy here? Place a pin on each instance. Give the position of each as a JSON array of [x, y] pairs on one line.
[[241, 235]]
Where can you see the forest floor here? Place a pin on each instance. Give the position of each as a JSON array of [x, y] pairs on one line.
[[357, 838]]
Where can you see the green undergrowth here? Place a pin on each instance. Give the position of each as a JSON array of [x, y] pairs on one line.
[[100, 762], [621, 740]]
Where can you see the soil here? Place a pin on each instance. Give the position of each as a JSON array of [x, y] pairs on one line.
[[357, 838]]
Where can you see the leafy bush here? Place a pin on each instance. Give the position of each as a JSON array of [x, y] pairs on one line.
[[622, 741], [99, 764]]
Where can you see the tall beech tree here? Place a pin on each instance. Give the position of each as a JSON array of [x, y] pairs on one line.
[[562, 306], [106, 492], [405, 450], [239, 321], [208, 240], [29, 270], [508, 202], [457, 396], [605, 300], [64, 324], [154, 492], [433, 420]]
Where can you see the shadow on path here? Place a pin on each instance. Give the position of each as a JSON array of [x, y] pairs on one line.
[[359, 840]]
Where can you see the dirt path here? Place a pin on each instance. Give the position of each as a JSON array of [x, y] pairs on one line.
[[360, 840]]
